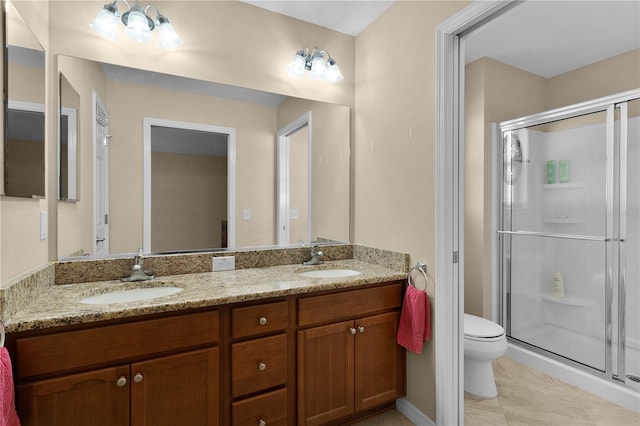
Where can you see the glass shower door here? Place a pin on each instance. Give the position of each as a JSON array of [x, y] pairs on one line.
[[555, 234], [625, 312]]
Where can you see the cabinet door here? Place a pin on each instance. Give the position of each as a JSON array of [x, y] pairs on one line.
[[97, 398], [325, 373], [176, 390], [379, 363]]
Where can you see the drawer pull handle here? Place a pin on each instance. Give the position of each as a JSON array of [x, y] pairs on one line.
[[137, 378], [361, 329], [352, 330], [262, 423], [263, 321], [121, 381], [262, 366]]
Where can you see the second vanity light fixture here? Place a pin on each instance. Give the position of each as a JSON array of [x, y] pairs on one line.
[[313, 61], [138, 24]]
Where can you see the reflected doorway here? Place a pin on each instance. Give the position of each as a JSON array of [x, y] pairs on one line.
[[189, 186], [294, 181]]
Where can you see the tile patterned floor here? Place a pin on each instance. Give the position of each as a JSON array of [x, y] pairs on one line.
[[527, 397]]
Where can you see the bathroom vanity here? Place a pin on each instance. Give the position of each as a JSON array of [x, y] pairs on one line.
[[258, 346]]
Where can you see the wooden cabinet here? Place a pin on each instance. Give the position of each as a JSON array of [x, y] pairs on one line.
[[179, 388], [260, 364], [91, 398], [315, 359], [349, 366]]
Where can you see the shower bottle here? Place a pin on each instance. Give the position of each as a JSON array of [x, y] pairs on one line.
[[558, 285]]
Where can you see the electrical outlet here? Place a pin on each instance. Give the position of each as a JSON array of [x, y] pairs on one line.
[[224, 263]]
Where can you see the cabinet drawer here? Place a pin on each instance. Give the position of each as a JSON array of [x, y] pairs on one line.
[[74, 350], [270, 407], [251, 320], [348, 304], [258, 364]]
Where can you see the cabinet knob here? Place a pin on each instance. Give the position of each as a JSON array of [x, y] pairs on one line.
[[263, 321], [121, 381], [361, 329], [352, 330], [261, 422], [262, 366], [137, 378]]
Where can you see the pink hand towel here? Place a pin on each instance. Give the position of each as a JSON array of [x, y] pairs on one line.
[[415, 320], [8, 415]]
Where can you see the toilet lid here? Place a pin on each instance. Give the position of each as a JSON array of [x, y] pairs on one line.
[[479, 327]]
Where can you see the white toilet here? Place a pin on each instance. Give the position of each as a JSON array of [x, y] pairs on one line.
[[484, 341]]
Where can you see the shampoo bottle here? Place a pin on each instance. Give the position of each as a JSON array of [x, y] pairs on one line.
[[551, 171], [558, 285]]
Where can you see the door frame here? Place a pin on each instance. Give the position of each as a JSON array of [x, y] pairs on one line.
[[449, 350], [148, 122]]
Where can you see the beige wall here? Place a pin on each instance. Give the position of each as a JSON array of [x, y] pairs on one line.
[[188, 201], [497, 92], [299, 184], [395, 146]]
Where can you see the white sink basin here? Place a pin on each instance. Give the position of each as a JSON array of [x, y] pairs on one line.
[[131, 295], [329, 273]]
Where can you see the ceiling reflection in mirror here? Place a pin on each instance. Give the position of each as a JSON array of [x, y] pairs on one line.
[[24, 149], [203, 192]]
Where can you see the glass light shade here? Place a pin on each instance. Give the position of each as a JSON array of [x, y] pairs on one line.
[[318, 67], [106, 22], [167, 36], [138, 26], [296, 67], [333, 72]]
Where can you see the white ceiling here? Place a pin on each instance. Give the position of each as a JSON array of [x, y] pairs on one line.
[[548, 38], [543, 37], [349, 17]]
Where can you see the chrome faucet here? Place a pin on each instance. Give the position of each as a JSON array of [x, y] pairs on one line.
[[316, 255], [137, 270]]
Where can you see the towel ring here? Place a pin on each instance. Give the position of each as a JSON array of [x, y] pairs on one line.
[[1, 333], [422, 267]]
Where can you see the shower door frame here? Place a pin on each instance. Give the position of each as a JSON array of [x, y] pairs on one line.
[[615, 230]]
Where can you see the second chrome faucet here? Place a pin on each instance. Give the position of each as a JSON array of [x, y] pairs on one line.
[[137, 270]]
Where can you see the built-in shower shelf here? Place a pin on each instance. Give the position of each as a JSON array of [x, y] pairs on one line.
[[570, 185], [568, 220], [569, 300]]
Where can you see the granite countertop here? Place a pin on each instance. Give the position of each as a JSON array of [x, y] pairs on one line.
[[60, 305]]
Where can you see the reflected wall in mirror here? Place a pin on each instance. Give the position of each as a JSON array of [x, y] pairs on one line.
[[192, 175], [68, 141], [24, 150], [132, 96]]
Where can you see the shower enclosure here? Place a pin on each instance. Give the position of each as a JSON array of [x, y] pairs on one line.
[[569, 237]]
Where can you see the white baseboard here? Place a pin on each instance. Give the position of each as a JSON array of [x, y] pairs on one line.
[[411, 412]]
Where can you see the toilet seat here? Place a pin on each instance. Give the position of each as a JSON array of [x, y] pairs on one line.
[[480, 329]]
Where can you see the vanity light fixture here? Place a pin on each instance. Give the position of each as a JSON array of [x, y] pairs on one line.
[[313, 60], [138, 24]]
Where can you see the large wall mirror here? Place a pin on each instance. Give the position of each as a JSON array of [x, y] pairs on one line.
[[193, 158], [24, 150], [68, 141]]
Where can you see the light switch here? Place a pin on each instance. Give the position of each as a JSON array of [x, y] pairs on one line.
[[246, 214], [43, 225], [293, 213]]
